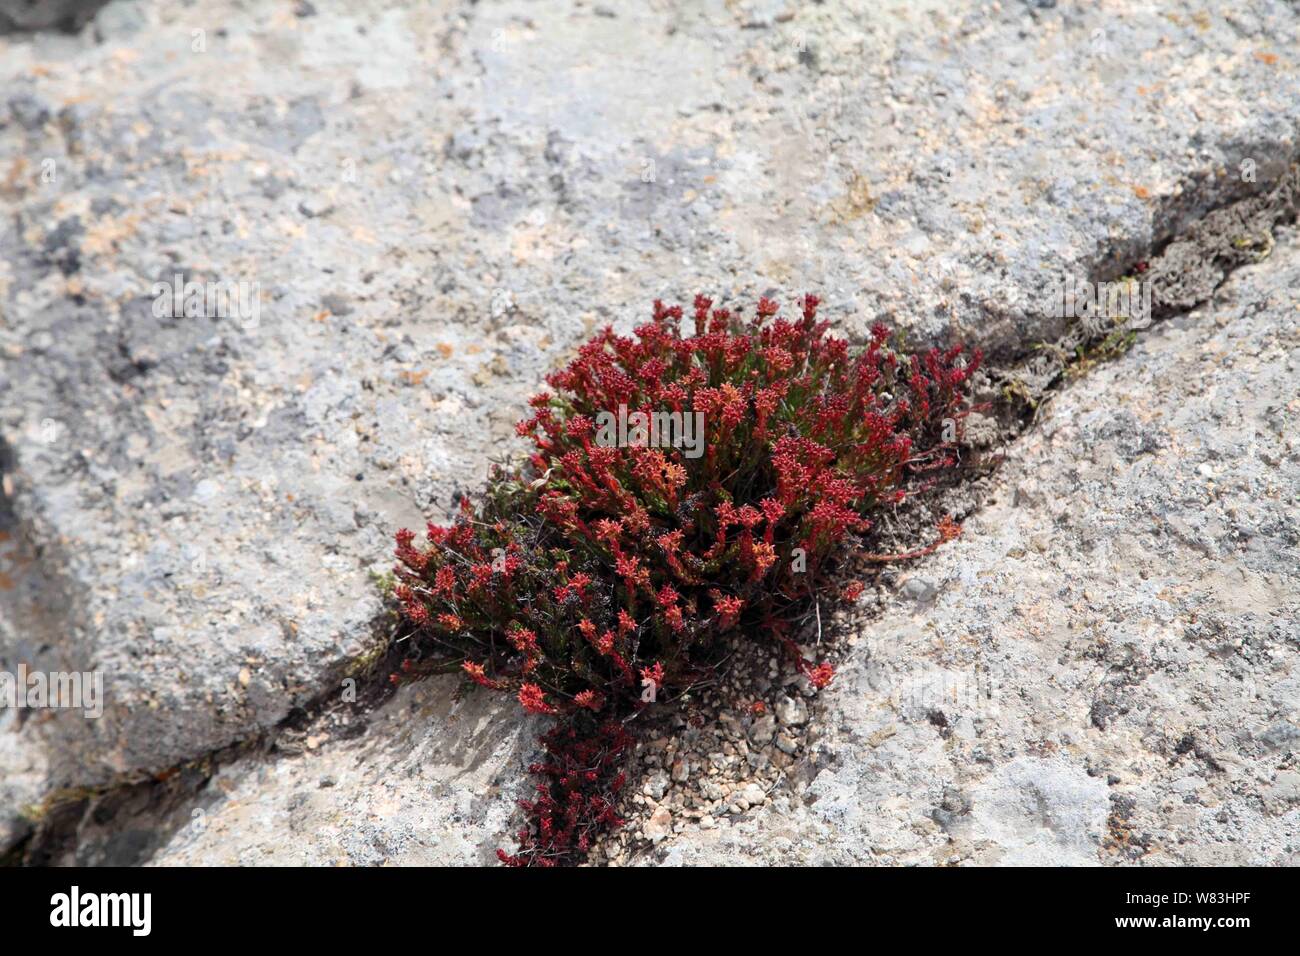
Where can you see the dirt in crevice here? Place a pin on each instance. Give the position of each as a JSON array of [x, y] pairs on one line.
[[124, 823], [1182, 273]]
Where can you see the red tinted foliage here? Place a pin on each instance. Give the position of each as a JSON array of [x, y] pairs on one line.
[[683, 484], [580, 779]]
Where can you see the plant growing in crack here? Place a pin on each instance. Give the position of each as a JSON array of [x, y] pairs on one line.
[[608, 574]]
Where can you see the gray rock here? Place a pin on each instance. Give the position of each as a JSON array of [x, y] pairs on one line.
[[1286, 787], [1042, 812], [1281, 736], [657, 785], [337, 304], [21, 15], [30, 112], [432, 781], [22, 780], [1193, 650], [119, 19], [919, 590], [762, 729], [1015, 652], [203, 541], [791, 711], [660, 825]]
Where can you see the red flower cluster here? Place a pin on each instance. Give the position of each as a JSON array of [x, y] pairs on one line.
[[580, 782], [617, 557]]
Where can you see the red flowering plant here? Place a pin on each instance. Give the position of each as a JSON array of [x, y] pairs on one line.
[[682, 486]]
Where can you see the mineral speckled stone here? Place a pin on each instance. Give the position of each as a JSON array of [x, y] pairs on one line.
[[419, 210], [1113, 698]]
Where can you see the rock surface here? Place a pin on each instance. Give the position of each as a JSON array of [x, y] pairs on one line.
[[431, 782], [16, 15], [1110, 671], [428, 205]]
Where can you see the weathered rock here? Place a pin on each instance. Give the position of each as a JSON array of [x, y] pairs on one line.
[[1041, 812], [660, 825], [792, 711], [1121, 694], [435, 203], [18, 15], [430, 782], [681, 770], [22, 780], [657, 785], [762, 729]]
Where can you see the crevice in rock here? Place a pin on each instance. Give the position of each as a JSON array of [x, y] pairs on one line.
[[1199, 260], [35, 598], [1183, 270], [31, 16], [1196, 262], [128, 816]]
